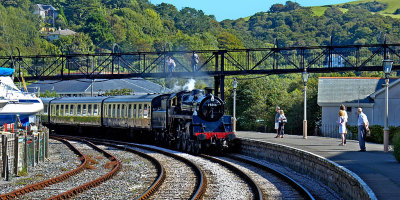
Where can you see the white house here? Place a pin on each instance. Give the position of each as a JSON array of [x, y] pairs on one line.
[[365, 92], [47, 12]]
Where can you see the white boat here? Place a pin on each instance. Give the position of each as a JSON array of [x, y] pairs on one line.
[[15, 102]]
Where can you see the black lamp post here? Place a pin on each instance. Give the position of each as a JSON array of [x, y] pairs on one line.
[[387, 68], [304, 77], [234, 85]]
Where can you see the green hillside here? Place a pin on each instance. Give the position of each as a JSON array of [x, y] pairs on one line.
[[392, 6]]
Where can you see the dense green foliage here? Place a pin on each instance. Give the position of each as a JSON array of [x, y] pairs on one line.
[[138, 25], [396, 144], [118, 92]]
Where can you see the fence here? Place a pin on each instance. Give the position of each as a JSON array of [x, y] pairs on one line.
[[20, 151], [332, 130]]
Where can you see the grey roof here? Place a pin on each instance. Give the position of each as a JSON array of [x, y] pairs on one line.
[[45, 7], [348, 89], [138, 85], [63, 32]]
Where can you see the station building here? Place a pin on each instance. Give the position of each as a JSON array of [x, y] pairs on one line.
[[365, 92], [84, 87]]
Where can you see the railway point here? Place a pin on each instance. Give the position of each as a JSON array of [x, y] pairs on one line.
[[379, 170]]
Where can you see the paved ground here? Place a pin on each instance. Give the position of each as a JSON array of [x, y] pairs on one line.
[[379, 170]]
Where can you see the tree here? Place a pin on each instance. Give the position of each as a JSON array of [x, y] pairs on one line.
[[99, 30]]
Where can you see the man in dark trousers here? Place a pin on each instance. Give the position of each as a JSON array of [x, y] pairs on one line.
[[362, 129]]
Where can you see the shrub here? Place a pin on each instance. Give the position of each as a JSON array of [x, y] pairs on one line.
[[354, 132], [396, 144], [376, 134]]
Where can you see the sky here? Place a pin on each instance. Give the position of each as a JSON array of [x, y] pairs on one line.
[[234, 9]]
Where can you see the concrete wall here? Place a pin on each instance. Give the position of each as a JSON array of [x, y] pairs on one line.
[[338, 178]]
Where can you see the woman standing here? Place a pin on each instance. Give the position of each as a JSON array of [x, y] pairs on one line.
[[282, 121], [342, 126], [346, 118]]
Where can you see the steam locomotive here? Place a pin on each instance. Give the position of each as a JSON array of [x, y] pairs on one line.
[[190, 121]]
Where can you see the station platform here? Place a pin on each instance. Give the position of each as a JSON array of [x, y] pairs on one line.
[[379, 170]]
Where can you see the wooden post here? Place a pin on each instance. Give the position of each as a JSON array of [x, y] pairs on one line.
[[37, 149], [4, 155], [16, 153], [43, 145], [47, 144], [33, 151], [26, 152]]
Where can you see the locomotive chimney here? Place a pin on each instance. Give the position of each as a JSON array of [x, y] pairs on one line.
[[208, 90]]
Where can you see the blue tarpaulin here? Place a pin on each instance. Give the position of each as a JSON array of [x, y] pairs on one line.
[[6, 71]]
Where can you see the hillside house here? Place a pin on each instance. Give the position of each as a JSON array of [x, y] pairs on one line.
[[58, 33], [47, 12]]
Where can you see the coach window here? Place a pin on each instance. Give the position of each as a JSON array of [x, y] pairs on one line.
[[57, 110], [140, 111], [123, 111], [84, 109], [62, 110], [67, 110], [78, 110], [109, 110], [145, 111], [134, 111], [95, 110], [71, 110], [130, 111], [114, 111], [45, 109], [89, 110], [118, 114]]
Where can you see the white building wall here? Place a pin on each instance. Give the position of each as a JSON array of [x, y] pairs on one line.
[[394, 107]]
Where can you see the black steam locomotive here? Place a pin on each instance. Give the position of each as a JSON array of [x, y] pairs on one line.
[[191, 121]]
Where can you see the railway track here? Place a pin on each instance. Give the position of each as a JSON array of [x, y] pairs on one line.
[[113, 162], [201, 180], [301, 190], [230, 162]]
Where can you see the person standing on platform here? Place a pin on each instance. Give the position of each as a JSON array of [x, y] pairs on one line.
[[346, 118], [282, 121], [362, 128], [342, 126], [277, 108]]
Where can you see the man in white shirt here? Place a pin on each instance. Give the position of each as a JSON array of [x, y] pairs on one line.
[[362, 128]]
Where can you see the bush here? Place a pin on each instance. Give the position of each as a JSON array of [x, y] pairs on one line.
[[354, 131], [396, 144], [376, 134]]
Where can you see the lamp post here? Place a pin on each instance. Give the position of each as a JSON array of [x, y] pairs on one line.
[[387, 68], [304, 77], [234, 85]]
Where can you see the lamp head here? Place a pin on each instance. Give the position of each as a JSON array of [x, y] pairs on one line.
[[387, 66], [234, 83], [304, 77]]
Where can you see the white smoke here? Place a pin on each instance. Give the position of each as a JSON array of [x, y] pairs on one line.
[[189, 85]]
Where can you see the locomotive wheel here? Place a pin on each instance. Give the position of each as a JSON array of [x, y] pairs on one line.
[[189, 146], [197, 147], [183, 144]]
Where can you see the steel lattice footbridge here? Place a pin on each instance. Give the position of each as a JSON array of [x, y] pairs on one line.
[[216, 63]]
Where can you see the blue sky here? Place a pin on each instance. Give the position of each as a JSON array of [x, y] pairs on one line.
[[233, 9]]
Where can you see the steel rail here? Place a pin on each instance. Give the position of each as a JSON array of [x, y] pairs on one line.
[[74, 191], [253, 185], [160, 169], [45, 183], [201, 184], [302, 190]]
